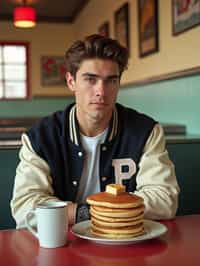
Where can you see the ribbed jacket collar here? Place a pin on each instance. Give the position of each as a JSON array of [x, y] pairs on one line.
[[74, 128]]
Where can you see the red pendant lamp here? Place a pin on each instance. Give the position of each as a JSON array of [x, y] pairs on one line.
[[24, 16]]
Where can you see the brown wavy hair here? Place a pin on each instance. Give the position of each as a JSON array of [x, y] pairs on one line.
[[95, 46]]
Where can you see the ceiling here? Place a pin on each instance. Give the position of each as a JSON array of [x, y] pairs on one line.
[[47, 10]]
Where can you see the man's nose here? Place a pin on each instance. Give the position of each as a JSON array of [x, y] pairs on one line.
[[100, 88]]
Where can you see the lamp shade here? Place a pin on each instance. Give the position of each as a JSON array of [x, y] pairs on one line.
[[24, 17]]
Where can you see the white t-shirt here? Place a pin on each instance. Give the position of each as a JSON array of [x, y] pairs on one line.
[[90, 182]]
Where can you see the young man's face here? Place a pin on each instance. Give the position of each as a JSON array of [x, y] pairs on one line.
[[95, 87]]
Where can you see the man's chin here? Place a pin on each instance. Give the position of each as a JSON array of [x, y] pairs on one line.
[[100, 111], [98, 114]]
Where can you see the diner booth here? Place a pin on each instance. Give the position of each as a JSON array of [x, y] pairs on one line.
[[162, 81], [184, 151]]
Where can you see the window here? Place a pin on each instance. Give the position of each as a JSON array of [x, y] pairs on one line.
[[13, 70]]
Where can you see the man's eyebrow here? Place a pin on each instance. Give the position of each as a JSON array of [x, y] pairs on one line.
[[97, 76], [90, 74]]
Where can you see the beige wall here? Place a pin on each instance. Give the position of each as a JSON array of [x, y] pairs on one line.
[[45, 39], [176, 53]]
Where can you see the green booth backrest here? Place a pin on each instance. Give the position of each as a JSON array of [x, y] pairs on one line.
[[186, 158], [8, 163]]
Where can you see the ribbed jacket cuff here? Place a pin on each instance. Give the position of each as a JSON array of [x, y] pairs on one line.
[[82, 212]]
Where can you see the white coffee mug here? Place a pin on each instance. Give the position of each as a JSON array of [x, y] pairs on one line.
[[52, 224]]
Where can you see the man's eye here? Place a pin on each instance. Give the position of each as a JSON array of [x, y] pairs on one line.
[[91, 80], [113, 81]]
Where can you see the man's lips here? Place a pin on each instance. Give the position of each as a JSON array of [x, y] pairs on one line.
[[99, 105]]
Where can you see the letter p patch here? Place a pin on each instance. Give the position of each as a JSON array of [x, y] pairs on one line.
[[118, 165]]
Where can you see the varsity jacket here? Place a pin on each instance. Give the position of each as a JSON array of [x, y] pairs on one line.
[[57, 140], [133, 153]]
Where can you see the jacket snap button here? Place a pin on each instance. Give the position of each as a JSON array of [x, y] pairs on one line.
[[103, 178], [80, 154], [75, 183], [104, 148]]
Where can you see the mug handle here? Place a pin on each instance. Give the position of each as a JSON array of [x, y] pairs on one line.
[[30, 228]]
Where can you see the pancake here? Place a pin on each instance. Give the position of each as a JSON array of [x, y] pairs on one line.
[[115, 224], [116, 236], [115, 219], [123, 200], [114, 212], [127, 230]]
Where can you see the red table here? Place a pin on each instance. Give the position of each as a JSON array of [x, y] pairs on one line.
[[179, 246]]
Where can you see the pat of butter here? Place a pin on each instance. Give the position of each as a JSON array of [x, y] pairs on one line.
[[115, 189]]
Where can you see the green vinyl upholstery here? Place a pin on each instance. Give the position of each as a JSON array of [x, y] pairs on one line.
[[8, 163], [186, 157]]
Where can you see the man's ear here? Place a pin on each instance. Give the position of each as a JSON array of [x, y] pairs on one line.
[[70, 81]]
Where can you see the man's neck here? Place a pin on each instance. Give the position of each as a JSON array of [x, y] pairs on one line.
[[91, 127]]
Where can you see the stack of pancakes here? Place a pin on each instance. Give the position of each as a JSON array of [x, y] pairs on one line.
[[116, 214]]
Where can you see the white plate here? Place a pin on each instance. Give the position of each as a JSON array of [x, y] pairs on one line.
[[152, 230]]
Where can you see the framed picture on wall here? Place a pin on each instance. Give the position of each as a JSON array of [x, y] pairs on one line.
[[185, 15], [148, 27], [121, 25], [52, 70], [104, 29]]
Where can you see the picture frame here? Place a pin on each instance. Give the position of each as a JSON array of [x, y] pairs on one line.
[[104, 29], [121, 25], [148, 27], [185, 15], [52, 70]]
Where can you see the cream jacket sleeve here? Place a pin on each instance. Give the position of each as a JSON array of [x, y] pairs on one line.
[[156, 180], [33, 183]]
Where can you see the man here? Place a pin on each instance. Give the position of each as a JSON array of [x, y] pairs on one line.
[[74, 153]]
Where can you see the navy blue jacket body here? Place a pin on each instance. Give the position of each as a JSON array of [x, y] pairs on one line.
[[56, 139]]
